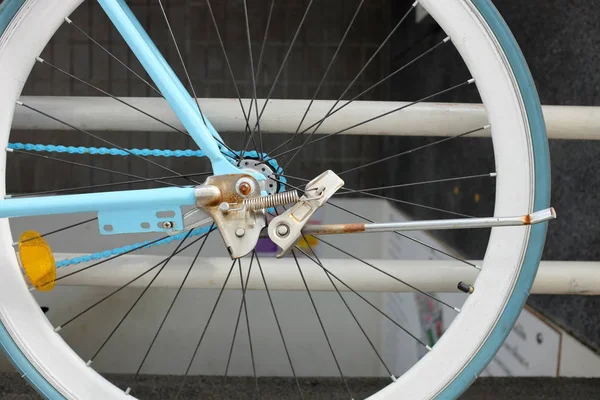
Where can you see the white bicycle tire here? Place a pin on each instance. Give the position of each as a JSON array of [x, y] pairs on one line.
[[508, 268]]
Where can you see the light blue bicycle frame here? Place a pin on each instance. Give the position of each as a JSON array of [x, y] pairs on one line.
[[125, 211]]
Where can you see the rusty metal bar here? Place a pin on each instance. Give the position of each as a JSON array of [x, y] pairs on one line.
[[437, 224]]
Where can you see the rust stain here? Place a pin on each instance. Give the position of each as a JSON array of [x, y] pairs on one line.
[[230, 197], [526, 219], [336, 229], [227, 183], [245, 188], [350, 228]]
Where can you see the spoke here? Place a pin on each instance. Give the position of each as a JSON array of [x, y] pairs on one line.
[[409, 237], [397, 233], [442, 210], [87, 166], [102, 300], [351, 84], [68, 227], [318, 261], [460, 178], [350, 191], [239, 316], [177, 251], [388, 274], [237, 91], [331, 62], [139, 297], [279, 326], [254, 98], [112, 258], [187, 371], [285, 58], [140, 77], [410, 203], [347, 103], [364, 299], [108, 184], [175, 298], [320, 321], [248, 322], [102, 140], [337, 50], [307, 143], [264, 42], [187, 75], [67, 20], [104, 92], [61, 229], [258, 66], [437, 142]]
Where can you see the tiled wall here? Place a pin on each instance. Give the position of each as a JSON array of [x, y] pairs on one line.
[[325, 24]]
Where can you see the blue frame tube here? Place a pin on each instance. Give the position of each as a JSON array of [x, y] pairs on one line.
[[169, 85], [96, 202], [184, 107]]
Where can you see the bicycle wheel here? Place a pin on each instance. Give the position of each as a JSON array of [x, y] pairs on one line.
[[521, 176]]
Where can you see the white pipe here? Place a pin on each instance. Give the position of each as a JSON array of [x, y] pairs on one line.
[[555, 277], [282, 116]]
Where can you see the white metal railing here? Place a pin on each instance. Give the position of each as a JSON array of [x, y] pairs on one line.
[[556, 277], [282, 116]]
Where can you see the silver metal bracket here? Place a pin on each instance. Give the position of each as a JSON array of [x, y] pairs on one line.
[[222, 197], [286, 229], [192, 220]]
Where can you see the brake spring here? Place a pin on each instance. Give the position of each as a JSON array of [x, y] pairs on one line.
[[272, 200]]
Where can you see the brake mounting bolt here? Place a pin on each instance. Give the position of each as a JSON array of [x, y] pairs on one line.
[[245, 188], [283, 230]]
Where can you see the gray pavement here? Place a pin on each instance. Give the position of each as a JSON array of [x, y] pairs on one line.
[[12, 387]]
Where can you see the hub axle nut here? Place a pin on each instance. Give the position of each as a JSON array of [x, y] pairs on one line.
[[245, 188]]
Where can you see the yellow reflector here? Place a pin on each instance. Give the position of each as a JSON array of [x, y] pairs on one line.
[[312, 242], [37, 261]]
